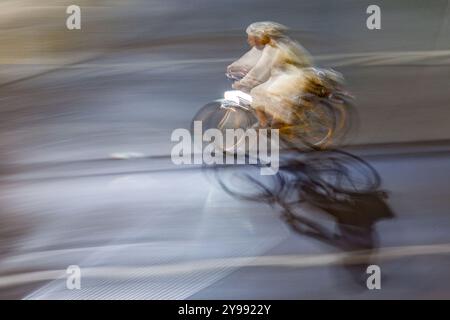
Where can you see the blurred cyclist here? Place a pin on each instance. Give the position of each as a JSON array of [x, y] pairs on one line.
[[272, 72]]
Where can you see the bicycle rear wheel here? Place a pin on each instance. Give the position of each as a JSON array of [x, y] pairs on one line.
[[313, 125]]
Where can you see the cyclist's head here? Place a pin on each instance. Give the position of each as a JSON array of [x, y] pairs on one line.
[[257, 41], [260, 33]]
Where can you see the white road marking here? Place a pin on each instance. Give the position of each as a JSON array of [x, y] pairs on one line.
[[291, 261]]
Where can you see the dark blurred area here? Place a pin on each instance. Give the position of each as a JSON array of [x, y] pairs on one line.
[[86, 177]]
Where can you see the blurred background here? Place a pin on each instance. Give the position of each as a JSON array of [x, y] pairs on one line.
[[85, 172]]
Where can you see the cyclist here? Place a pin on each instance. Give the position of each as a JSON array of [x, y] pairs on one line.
[[271, 72]]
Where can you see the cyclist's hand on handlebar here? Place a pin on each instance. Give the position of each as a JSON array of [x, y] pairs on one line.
[[233, 69], [236, 73], [235, 76]]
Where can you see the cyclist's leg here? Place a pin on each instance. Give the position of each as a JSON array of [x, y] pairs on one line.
[[262, 117], [259, 103]]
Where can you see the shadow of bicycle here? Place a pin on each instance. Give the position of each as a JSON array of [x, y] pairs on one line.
[[332, 196]]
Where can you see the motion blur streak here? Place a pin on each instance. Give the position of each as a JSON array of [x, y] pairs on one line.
[[74, 102]]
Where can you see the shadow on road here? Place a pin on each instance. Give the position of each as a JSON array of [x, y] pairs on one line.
[[331, 196]]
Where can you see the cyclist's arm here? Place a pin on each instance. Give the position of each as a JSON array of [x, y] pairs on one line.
[[245, 63], [260, 73]]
